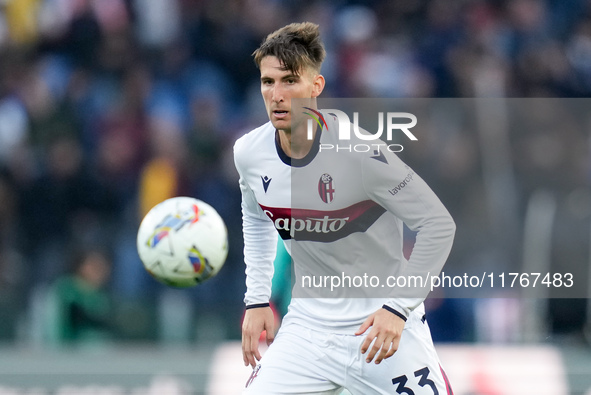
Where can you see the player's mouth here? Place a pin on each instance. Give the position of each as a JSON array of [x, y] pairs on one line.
[[280, 114]]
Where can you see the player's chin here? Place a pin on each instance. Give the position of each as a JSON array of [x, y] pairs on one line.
[[281, 124]]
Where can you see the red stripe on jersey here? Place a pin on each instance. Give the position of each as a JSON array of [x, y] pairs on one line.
[[447, 384], [353, 212], [323, 225]]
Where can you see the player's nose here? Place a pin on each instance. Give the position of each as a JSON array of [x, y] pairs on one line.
[[277, 95]]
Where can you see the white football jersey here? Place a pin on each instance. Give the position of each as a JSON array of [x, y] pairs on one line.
[[340, 212]]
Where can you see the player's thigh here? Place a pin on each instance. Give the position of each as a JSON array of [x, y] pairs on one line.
[[413, 370], [293, 364]]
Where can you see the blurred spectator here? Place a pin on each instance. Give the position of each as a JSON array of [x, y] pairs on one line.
[[12, 276], [163, 176], [81, 304], [21, 20], [13, 127], [66, 205]]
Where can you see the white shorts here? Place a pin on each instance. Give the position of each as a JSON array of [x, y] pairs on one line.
[[305, 361]]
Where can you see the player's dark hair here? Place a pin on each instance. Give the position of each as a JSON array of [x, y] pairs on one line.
[[297, 45]]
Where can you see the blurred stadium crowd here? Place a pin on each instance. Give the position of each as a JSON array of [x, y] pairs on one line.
[[110, 106]]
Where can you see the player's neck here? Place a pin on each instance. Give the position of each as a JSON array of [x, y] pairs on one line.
[[295, 144]]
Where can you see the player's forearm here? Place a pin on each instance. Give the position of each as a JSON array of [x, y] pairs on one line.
[[430, 252], [260, 245], [258, 285], [433, 244]]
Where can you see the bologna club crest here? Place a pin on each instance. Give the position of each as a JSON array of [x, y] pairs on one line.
[[326, 188]]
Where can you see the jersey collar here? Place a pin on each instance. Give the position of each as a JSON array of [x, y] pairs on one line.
[[298, 162]]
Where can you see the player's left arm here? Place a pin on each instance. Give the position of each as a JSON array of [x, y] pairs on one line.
[[396, 187]]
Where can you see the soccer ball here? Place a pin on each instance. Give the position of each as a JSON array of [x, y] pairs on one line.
[[182, 242]]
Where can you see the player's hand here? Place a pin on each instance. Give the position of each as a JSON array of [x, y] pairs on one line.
[[386, 329], [255, 322]]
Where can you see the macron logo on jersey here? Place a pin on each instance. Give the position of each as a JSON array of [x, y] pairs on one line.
[[266, 181]]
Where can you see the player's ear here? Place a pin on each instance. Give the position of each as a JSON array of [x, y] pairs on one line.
[[318, 85]]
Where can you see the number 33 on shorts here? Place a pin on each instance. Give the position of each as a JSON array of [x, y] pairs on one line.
[[422, 380]]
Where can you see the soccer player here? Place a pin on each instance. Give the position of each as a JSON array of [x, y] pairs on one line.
[[342, 213]]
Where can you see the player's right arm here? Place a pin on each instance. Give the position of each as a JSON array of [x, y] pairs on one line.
[[260, 245]]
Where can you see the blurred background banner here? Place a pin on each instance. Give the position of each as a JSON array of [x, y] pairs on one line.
[[108, 107], [475, 369]]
